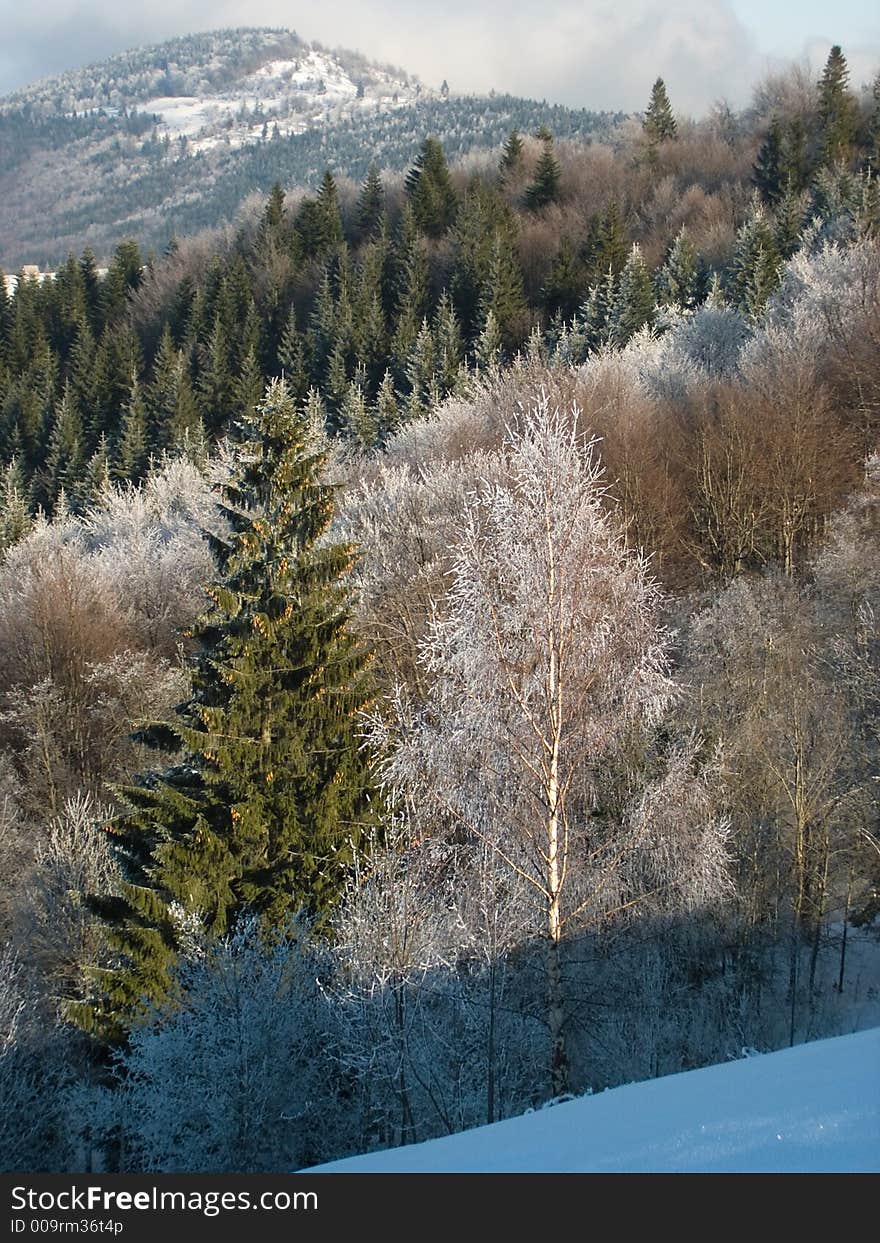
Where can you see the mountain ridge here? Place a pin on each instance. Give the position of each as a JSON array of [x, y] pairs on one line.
[[173, 137]]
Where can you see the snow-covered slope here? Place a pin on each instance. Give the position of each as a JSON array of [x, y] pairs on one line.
[[814, 1108]]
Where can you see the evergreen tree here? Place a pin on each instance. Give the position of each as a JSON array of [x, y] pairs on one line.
[[124, 275], [511, 160], [597, 311], [386, 413], [273, 791], [272, 222], [659, 122], [96, 476], [634, 305], [612, 247], [564, 288], [503, 294], [371, 203], [171, 404], [15, 510], [430, 189], [215, 389], [544, 189], [838, 112], [292, 357], [789, 222], [482, 215], [248, 386], [420, 371], [331, 218], [872, 137], [487, 352], [682, 281], [754, 269], [867, 216], [356, 419], [65, 462], [767, 173], [411, 262], [449, 345], [132, 456]]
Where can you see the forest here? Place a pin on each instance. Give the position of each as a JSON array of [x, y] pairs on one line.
[[440, 672]]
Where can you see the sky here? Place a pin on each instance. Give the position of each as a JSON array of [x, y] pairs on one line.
[[584, 53], [810, 1109]]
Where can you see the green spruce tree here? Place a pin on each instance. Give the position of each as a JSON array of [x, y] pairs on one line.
[[272, 793], [545, 186], [659, 122], [838, 110]]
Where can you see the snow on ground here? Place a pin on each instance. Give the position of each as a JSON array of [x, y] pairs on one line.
[[811, 1109], [291, 94]]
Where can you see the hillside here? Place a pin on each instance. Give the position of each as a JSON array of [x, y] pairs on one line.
[[170, 139], [811, 1109]]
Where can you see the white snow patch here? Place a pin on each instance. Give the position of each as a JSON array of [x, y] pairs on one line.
[[811, 1109]]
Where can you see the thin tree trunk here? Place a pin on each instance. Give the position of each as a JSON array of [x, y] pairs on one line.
[[490, 1051], [845, 924]]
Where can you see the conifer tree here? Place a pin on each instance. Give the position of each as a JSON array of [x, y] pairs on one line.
[[273, 791], [838, 112], [596, 313], [634, 305], [682, 280], [315, 416], [132, 456], [214, 384], [789, 222], [872, 159], [248, 386], [356, 419], [170, 401], [504, 295], [544, 189], [449, 345], [612, 246], [65, 461], [272, 222], [867, 216], [96, 476], [511, 160], [292, 357], [15, 510], [767, 174], [386, 413], [420, 371], [430, 189], [563, 290], [328, 207], [487, 352], [754, 270], [411, 262], [659, 122], [371, 203]]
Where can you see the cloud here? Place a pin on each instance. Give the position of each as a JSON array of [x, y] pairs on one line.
[[590, 53]]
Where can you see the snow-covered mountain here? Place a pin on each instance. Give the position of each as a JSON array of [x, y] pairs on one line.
[[173, 138], [814, 1108]]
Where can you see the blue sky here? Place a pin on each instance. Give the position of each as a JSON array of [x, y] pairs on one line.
[[590, 53], [783, 26]]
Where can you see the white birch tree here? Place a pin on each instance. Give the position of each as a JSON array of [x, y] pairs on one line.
[[548, 659]]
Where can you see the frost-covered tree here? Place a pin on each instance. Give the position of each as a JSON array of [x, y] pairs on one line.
[[234, 1079], [549, 653], [634, 306]]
